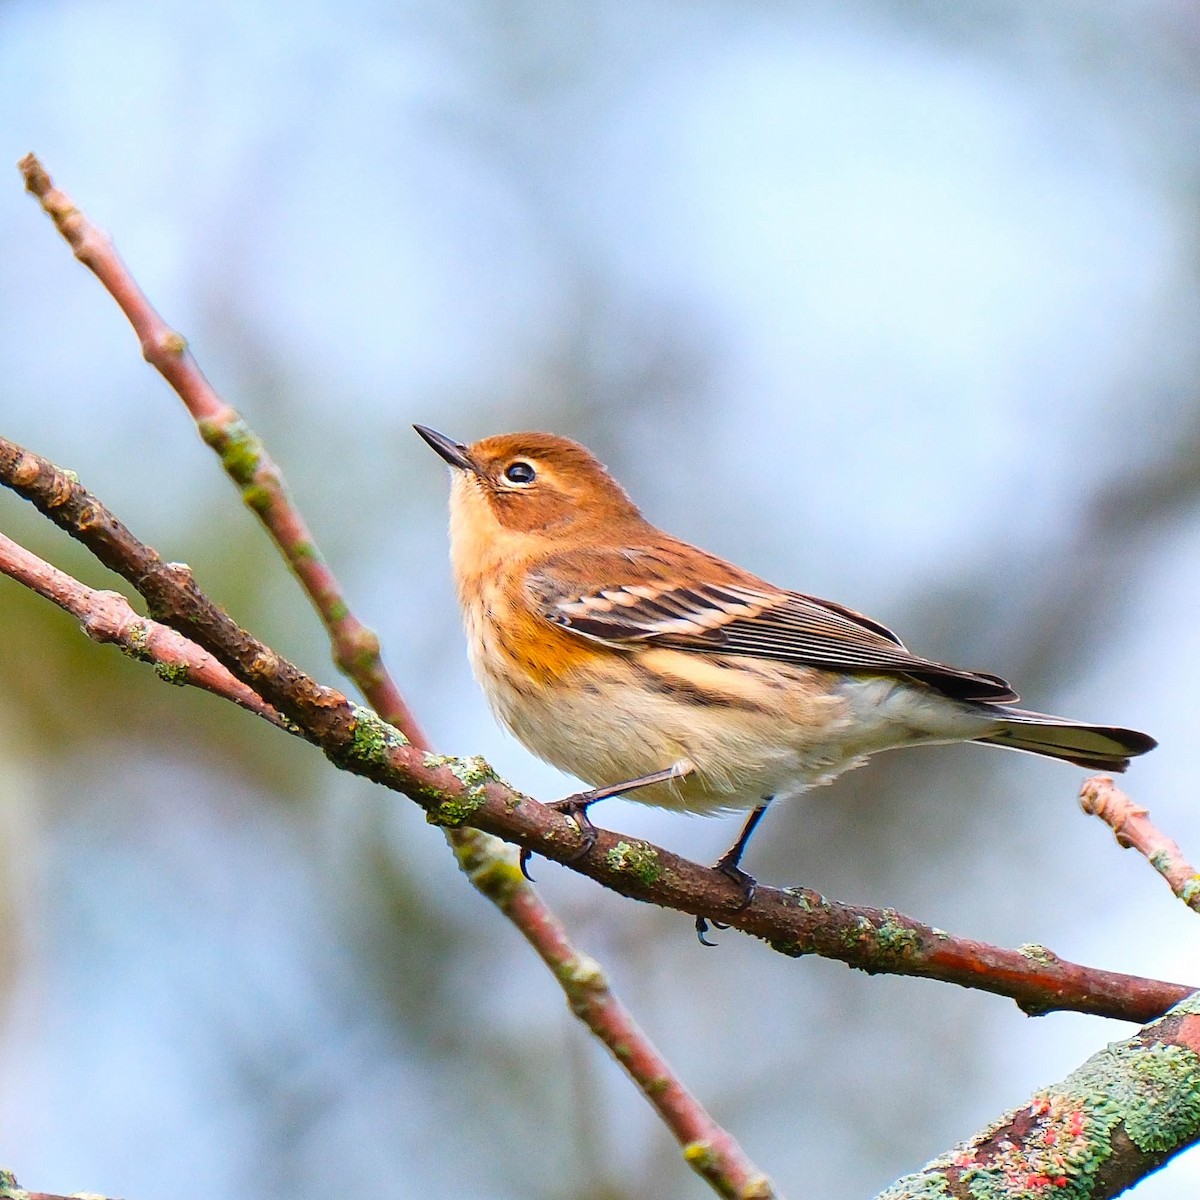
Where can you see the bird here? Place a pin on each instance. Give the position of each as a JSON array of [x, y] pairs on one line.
[[648, 667]]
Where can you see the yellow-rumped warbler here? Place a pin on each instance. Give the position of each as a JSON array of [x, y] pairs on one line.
[[644, 665]]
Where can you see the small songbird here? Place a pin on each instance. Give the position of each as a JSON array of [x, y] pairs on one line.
[[643, 665]]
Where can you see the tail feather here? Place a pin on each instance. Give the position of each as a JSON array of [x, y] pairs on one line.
[[1093, 747]]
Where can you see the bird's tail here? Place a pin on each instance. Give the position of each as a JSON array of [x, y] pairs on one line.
[[1093, 747]]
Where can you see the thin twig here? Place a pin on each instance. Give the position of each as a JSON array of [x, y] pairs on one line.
[[106, 617], [1132, 827], [456, 792], [708, 1148]]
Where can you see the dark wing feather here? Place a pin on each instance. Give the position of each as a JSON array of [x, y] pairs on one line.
[[751, 619]]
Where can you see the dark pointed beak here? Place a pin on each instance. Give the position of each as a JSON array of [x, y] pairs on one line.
[[455, 453]]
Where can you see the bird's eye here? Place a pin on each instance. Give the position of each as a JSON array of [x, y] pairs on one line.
[[519, 472]]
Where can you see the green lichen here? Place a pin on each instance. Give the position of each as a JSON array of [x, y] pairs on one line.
[[895, 939], [373, 740], [926, 1185], [581, 971], [257, 497], [453, 812], [474, 774], [701, 1156], [240, 449], [497, 876], [499, 879], [360, 663], [241, 452], [1154, 1089], [138, 645], [636, 859], [1151, 1091], [798, 897], [857, 932], [337, 611], [1160, 860], [175, 673], [1188, 1006], [1190, 892], [1041, 955]]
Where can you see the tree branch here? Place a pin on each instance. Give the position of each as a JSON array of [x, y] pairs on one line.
[[1124, 1113], [1131, 825], [457, 791], [106, 617]]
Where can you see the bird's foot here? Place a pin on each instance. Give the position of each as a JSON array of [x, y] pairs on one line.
[[727, 864], [574, 807]]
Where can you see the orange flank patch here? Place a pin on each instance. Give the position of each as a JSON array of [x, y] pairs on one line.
[[536, 649], [548, 653]]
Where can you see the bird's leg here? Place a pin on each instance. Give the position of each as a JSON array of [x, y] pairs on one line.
[[576, 806], [727, 864]]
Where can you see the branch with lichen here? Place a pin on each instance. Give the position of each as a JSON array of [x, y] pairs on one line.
[[455, 792], [488, 863], [108, 618], [1132, 827], [1121, 1115]]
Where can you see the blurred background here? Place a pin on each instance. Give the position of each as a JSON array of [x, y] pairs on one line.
[[892, 303]]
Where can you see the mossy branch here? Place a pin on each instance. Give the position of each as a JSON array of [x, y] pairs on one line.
[[1109, 1123]]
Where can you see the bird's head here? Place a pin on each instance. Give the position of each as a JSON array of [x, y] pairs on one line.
[[529, 483]]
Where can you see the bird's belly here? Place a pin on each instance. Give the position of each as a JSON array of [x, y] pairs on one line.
[[750, 729]]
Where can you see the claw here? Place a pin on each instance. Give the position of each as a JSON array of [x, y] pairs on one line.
[[727, 865], [743, 879], [523, 862], [575, 807]]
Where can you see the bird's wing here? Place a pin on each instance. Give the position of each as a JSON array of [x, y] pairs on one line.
[[742, 615]]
